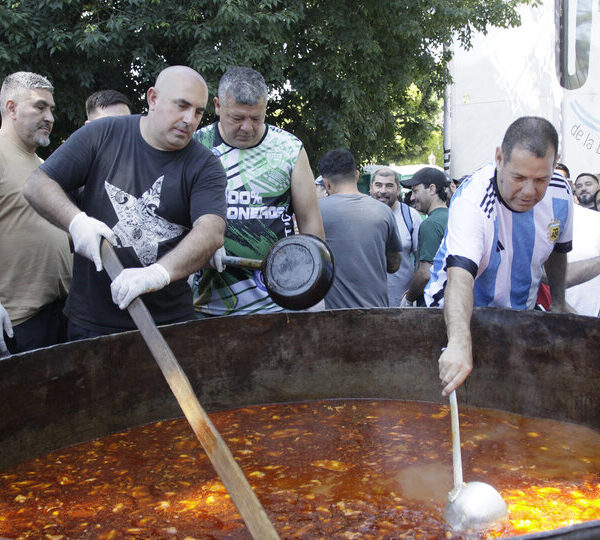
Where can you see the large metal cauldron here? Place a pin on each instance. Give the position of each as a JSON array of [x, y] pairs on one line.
[[530, 363]]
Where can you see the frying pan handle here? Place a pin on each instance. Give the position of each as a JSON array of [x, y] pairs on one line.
[[242, 261]]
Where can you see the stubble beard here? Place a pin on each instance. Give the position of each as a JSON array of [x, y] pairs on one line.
[[587, 199], [41, 140]]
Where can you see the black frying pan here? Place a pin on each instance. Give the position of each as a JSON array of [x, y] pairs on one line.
[[298, 270]]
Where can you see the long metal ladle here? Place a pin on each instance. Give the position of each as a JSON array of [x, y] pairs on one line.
[[476, 505], [215, 447]]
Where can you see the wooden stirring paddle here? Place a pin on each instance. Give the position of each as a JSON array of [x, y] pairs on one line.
[[215, 447]]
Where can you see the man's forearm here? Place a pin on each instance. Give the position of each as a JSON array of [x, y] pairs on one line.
[[206, 236], [304, 198], [392, 261], [556, 268], [418, 282], [581, 271], [456, 361], [49, 199], [313, 225], [458, 305]]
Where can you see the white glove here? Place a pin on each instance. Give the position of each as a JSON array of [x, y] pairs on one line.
[[216, 261], [405, 303], [132, 282], [87, 234], [5, 325]]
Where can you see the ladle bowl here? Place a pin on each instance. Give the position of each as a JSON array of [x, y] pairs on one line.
[[476, 505]]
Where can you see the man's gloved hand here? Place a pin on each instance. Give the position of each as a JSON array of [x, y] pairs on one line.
[[216, 261], [132, 282], [87, 234], [5, 326]]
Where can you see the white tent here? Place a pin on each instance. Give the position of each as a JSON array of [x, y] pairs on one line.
[[529, 70]]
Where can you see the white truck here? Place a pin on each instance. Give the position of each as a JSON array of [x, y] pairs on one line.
[[549, 66]]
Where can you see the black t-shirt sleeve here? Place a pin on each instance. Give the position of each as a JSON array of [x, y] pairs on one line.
[[208, 191], [71, 162]]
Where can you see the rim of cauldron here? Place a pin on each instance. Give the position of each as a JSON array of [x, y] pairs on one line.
[[588, 530], [91, 376]]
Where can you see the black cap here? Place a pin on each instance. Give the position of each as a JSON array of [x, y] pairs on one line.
[[427, 176]]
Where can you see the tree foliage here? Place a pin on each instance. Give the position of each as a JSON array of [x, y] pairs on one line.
[[366, 75]]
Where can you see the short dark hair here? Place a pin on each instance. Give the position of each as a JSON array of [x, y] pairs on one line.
[[531, 133], [103, 99], [337, 165], [563, 167], [385, 172], [592, 175]]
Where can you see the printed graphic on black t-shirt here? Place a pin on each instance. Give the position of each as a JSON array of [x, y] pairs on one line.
[[139, 227]]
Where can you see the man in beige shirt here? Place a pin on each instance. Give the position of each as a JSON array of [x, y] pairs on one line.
[[35, 259]]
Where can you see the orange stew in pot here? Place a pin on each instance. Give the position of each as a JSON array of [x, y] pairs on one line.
[[324, 469]]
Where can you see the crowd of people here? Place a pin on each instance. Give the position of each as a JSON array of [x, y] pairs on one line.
[[174, 198]]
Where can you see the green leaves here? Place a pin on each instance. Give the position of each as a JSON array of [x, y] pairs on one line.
[[363, 74]]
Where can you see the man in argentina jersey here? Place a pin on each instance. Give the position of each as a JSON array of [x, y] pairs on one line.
[[508, 222], [269, 179]]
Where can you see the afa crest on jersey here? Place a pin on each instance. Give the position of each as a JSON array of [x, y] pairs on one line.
[[554, 230]]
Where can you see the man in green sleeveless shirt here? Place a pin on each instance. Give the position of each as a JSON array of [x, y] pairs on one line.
[[269, 182]]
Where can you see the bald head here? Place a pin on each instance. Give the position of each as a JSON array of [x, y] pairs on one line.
[[176, 104], [174, 74]]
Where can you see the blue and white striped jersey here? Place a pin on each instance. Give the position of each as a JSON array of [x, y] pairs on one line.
[[503, 250]]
